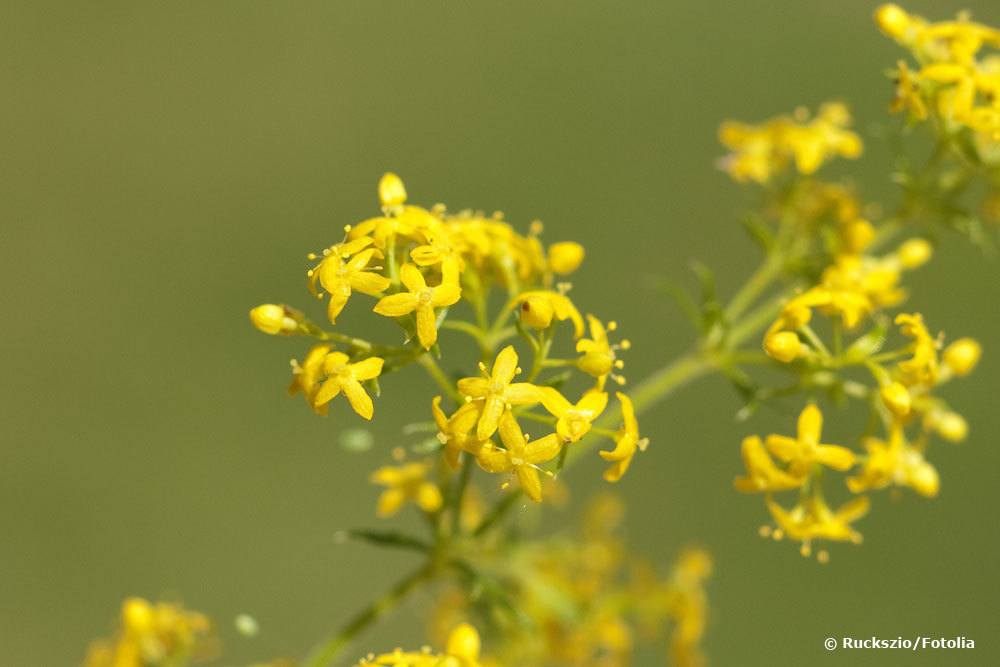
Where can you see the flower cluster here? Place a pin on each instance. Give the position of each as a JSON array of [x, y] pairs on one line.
[[761, 152], [419, 265], [153, 635], [957, 75], [585, 600]]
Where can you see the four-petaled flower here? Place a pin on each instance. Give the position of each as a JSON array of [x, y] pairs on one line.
[[340, 276], [406, 482], [347, 377], [421, 299], [805, 450], [574, 421], [762, 473], [497, 392], [812, 519], [456, 433], [627, 441], [520, 456]]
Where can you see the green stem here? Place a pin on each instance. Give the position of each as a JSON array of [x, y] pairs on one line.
[[463, 482], [324, 654], [438, 375], [755, 286]]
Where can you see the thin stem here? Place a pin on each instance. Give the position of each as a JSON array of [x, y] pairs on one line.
[[755, 286], [325, 653], [439, 376], [459, 493], [498, 512]]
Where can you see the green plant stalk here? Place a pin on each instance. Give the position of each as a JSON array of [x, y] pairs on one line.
[[328, 651]]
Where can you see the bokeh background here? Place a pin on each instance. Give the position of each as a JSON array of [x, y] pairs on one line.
[[166, 166]]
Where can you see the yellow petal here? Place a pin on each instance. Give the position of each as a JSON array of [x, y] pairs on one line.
[[412, 278], [530, 483], [473, 387], [523, 393], [426, 327], [810, 424], [358, 398], [396, 305], [367, 369], [389, 502], [544, 449], [368, 282], [493, 408], [446, 294], [327, 392], [429, 497], [505, 366]]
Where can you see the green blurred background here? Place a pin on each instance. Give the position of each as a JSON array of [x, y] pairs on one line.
[[166, 166]]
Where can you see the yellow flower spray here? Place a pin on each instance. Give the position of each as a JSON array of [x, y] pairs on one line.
[[823, 309]]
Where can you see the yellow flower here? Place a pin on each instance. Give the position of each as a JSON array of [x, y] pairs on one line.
[[962, 356], [599, 355], [347, 377], [922, 367], [539, 307], [461, 650], [307, 376], [812, 519], [804, 451], [895, 462], [824, 137], [497, 392], [421, 299], [574, 421], [565, 257], [762, 473], [456, 432], [520, 456], [896, 397], [273, 319], [406, 482], [627, 441], [391, 191], [151, 634], [784, 346], [340, 277]]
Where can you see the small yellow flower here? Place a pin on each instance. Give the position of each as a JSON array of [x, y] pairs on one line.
[[539, 307], [762, 473], [784, 346], [627, 441], [914, 253], [812, 519], [273, 319], [341, 375], [391, 191], [497, 393], [565, 257], [895, 462], [306, 377], [574, 421], [520, 456], [599, 357], [922, 367], [951, 426], [406, 483], [805, 450], [421, 299], [152, 634], [457, 432], [962, 356], [340, 277], [896, 397]]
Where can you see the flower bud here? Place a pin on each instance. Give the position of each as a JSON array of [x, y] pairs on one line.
[[893, 20], [137, 616], [914, 253], [897, 398], [391, 191], [463, 642], [565, 257], [273, 319], [924, 479], [537, 312], [857, 235], [951, 426], [784, 346], [962, 355]]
